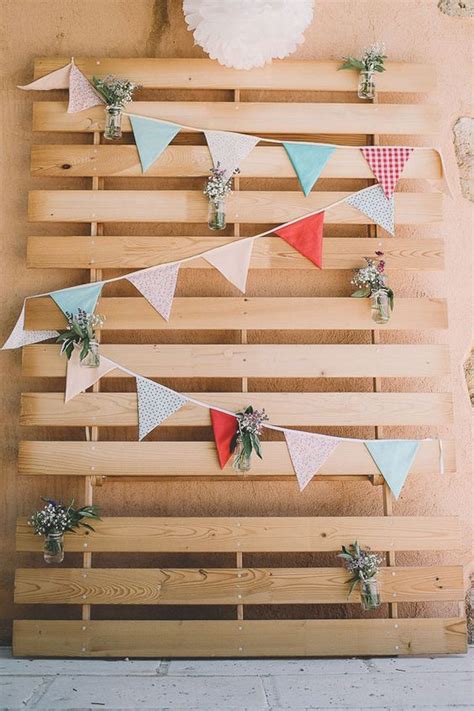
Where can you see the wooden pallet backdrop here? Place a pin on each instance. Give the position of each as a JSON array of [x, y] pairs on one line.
[[255, 108]]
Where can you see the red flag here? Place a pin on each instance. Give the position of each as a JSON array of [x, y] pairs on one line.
[[224, 427], [306, 236]]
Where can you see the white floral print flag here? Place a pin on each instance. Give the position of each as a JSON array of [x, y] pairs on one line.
[[158, 286], [308, 452]]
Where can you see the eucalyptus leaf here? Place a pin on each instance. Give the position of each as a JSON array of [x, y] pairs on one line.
[[361, 293]]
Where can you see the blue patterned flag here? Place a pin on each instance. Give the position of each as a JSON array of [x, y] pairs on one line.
[[155, 404]]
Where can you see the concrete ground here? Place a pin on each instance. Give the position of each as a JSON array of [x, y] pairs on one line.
[[253, 685]]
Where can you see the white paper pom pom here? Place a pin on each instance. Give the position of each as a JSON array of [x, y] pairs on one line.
[[248, 33]]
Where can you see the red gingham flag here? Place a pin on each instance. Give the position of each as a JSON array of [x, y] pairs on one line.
[[387, 164]]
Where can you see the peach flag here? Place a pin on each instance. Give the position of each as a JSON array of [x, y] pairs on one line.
[[58, 79], [79, 378], [232, 260]]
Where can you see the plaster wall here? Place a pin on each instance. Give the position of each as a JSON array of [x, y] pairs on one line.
[[413, 31]]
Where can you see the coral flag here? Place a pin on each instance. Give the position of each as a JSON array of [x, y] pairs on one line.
[[387, 164], [306, 236], [224, 427]]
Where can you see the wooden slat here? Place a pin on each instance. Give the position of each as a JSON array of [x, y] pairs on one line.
[[136, 252], [227, 586], [188, 161], [266, 313], [175, 73], [254, 361], [254, 534], [198, 459], [306, 409], [253, 117], [238, 638], [256, 207]]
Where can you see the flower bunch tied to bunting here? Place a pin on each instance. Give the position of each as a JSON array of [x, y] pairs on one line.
[[218, 186], [372, 61], [52, 522], [364, 567], [116, 93], [80, 333], [247, 437], [371, 280]]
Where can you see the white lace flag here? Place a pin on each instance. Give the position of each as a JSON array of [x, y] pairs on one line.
[[228, 150], [79, 378], [374, 203], [158, 287], [233, 260], [82, 94], [155, 404], [308, 452], [19, 337]]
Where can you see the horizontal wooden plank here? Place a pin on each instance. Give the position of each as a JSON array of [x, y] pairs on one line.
[[175, 73], [254, 117], [228, 586], [239, 638], [136, 252], [183, 206], [306, 409], [265, 313], [254, 534], [190, 161], [199, 459], [253, 361]]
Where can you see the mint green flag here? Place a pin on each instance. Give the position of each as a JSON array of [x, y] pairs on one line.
[[393, 458], [152, 137], [308, 160], [81, 297]]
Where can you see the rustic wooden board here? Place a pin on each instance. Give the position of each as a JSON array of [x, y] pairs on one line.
[[239, 638], [228, 586], [265, 161], [256, 207], [265, 313], [284, 408], [253, 117], [255, 534], [135, 252], [199, 459], [251, 361], [175, 73]]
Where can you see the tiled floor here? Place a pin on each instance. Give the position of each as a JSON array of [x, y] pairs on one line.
[[253, 685]]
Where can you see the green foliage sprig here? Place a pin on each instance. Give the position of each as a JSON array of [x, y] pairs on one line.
[[372, 60], [361, 563], [54, 517], [80, 331], [249, 428], [371, 278], [115, 91]]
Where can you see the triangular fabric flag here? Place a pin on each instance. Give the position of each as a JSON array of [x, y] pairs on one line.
[[151, 138], [387, 164], [59, 79], [232, 260], [393, 458], [225, 427], [306, 236], [228, 149], [82, 94], [374, 203], [79, 378], [308, 160], [155, 404], [19, 337], [79, 297], [308, 452], [158, 286]]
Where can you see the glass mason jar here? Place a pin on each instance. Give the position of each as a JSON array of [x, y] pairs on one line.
[[53, 548], [369, 594], [92, 359], [380, 306], [241, 461], [216, 214], [366, 88], [113, 123]]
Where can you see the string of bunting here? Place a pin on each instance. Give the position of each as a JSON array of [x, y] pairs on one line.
[[227, 148], [308, 451], [158, 283]]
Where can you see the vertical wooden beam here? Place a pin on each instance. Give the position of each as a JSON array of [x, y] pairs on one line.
[[92, 433]]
